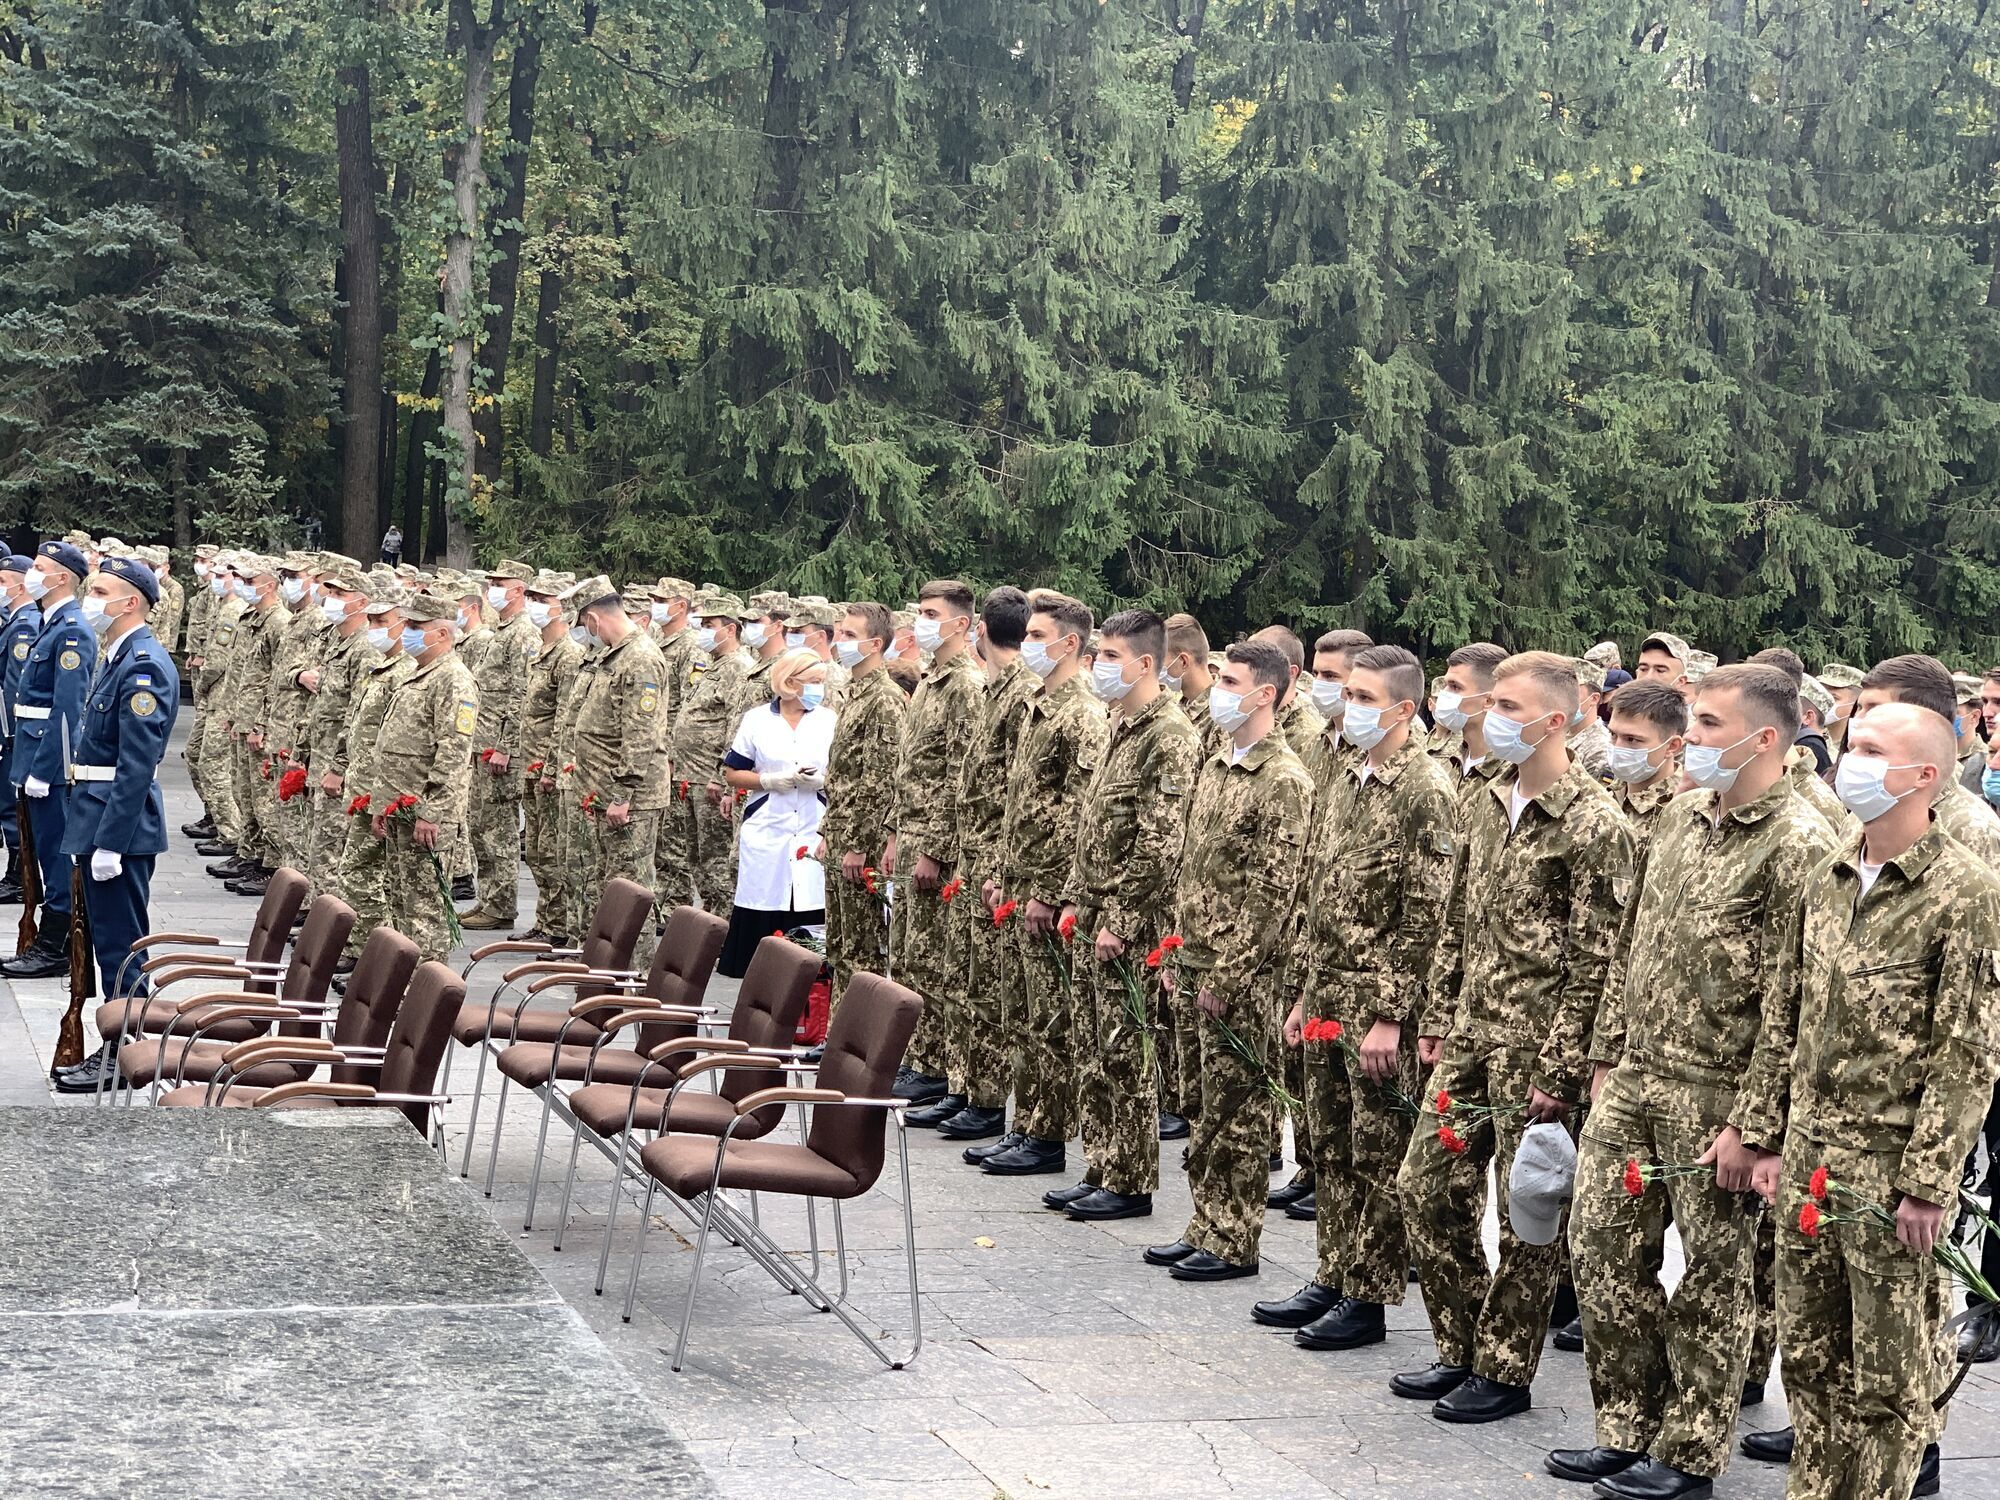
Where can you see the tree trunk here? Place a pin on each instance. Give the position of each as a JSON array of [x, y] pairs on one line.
[[177, 481], [361, 256], [548, 356], [504, 291], [416, 460], [460, 303], [1188, 23], [392, 278]]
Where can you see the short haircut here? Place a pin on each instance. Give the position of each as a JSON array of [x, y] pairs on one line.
[[1482, 656], [1266, 662], [1185, 636], [906, 674], [1554, 676], [1143, 630], [1785, 660], [1993, 674], [1073, 615], [1003, 617], [1402, 671], [1917, 679], [789, 668], [1769, 696], [1288, 644], [955, 596], [1659, 705], [875, 621], [1345, 642]]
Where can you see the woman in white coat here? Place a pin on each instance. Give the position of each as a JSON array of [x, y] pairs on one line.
[[779, 759]]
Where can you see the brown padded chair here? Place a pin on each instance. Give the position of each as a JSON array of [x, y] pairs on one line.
[[498, 1019], [840, 1157], [360, 1027], [406, 1073], [164, 958], [676, 984], [762, 1028], [219, 1017]]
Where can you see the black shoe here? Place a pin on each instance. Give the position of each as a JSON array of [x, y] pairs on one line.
[[98, 1070], [203, 829], [233, 868], [10, 892], [1773, 1447], [85, 1065], [1199, 1265], [974, 1155], [1588, 1465], [210, 848], [344, 965], [1061, 1198], [1102, 1204], [37, 963], [1564, 1311], [249, 885], [461, 889], [1569, 1337], [1299, 1187], [918, 1088], [1029, 1159], [1167, 1255], [1306, 1208], [1310, 1301], [1173, 1127], [1753, 1393], [1649, 1479], [1927, 1473], [1429, 1385], [936, 1112], [1979, 1344], [1278, 1164], [971, 1124], [1482, 1400], [1352, 1325]]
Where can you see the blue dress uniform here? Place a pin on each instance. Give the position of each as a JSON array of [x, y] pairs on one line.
[[17, 638], [53, 685]]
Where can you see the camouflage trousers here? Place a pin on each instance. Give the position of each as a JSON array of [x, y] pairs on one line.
[[215, 781], [1360, 1132], [1764, 1302], [292, 821], [1294, 1065], [855, 932], [1493, 1321], [1045, 1069], [542, 840], [1180, 1058], [494, 825], [986, 964], [1666, 1372], [192, 750], [673, 855], [364, 866], [326, 838], [1228, 1148], [1117, 1061], [414, 886], [1857, 1318], [255, 839], [920, 949], [624, 853], [578, 858], [712, 854]]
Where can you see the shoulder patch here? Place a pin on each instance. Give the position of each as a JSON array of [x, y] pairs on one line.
[[649, 697], [20, 651], [143, 705], [466, 717], [69, 661]]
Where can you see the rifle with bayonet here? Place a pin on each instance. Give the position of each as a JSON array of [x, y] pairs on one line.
[[31, 870], [82, 978]]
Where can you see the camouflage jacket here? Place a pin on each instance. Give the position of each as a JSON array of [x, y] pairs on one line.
[[246, 691], [1240, 869], [1301, 724], [677, 651], [169, 614], [943, 715], [1643, 805], [354, 757], [715, 704], [347, 658], [1817, 794], [1705, 986], [1968, 821], [1899, 1015], [1062, 744], [982, 775], [551, 673], [1533, 920], [861, 767], [560, 763], [218, 646], [301, 646], [620, 753], [1134, 821], [1376, 884], [424, 747], [201, 611], [502, 675], [1592, 745]]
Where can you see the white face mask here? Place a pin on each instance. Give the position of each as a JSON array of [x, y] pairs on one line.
[[1107, 680], [1705, 768], [755, 634], [660, 613], [334, 609], [1035, 657], [1226, 709], [812, 695], [704, 638], [540, 613], [848, 653], [1330, 698], [1630, 763], [246, 591], [37, 584], [582, 637], [930, 635], [497, 598], [1451, 710], [413, 640], [96, 614], [794, 639], [1507, 739], [380, 639], [218, 586], [1861, 785], [292, 590], [893, 652], [1364, 725]]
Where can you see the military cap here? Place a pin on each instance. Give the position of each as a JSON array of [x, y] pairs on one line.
[[407, 570], [636, 596], [1589, 674], [65, 555], [594, 590], [131, 570], [382, 600], [1967, 686], [427, 607], [1700, 664], [729, 607], [673, 588], [769, 602], [813, 609], [902, 619], [1672, 644], [152, 557], [251, 564], [112, 544], [79, 539], [347, 580], [334, 562], [206, 549], [299, 562], [549, 585], [1813, 693], [511, 569], [14, 562], [1603, 654], [1837, 674]]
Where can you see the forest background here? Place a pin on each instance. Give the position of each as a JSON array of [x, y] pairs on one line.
[[1537, 320]]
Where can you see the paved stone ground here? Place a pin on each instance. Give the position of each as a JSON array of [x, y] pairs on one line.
[[1054, 1363]]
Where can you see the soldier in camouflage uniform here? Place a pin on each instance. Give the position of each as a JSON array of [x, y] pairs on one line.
[[1589, 740], [348, 655], [574, 850], [212, 634], [1543, 873], [1118, 901], [1648, 727], [809, 627], [860, 789], [554, 668], [502, 677], [1189, 675], [924, 830], [672, 598], [294, 670], [1691, 1056], [1240, 870], [169, 616], [246, 701], [1377, 880], [423, 750], [364, 857], [702, 731], [1061, 745], [1898, 1044], [622, 784]]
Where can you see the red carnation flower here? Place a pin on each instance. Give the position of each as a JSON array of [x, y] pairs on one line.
[[359, 804], [868, 881], [1171, 942], [680, 789], [1067, 926], [949, 889], [1635, 1179], [1157, 957], [291, 783], [1003, 911], [1451, 1140], [804, 851], [1330, 1031], [1809, 1220], [486, 755], [1443, 1102], [1816, 1185]]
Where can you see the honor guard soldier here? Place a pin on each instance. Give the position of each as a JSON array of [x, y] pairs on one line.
[[53, 685], [117, 818], [17, 639]]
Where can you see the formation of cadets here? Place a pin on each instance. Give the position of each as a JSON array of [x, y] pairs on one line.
[[1734, 929]]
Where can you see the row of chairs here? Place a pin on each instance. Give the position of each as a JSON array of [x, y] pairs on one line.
[[638, 1065]]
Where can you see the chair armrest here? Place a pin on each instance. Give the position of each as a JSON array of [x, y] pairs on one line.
[[230, 1012], [284, 1093], [553, 981], [197, 939], [697, 1044], [786, 1094], [732, 1060], [508, 945], [237, 1054], [544, 966], [264, 1003]]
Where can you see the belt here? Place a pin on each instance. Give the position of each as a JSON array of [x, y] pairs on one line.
[[26, 712], [93, 773]]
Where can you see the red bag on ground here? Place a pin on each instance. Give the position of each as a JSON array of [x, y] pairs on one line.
[[819, 1006]]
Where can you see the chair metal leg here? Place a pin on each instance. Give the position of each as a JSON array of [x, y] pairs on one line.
[[639, 1252], [541, 1145], [499, 1116], [472, 1119], [569, 1179], [611, 1219], [694, 1277]]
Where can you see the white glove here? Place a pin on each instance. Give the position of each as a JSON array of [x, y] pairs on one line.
[[106, 865], [778, 781], [812, 779], [34, 786]]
